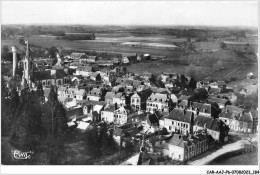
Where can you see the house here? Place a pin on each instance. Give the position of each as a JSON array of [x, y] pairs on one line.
[[250, 75], [200, 108], [95, 76], [90, 106], [132, 57], [75, 93], [200, 93], [183, 148], [157, 101], [138, 99], [237, 119], [220, 101], [119, 80], [222, 85], [109, 97], [95, 94], [107, 114], [91, 59], [119, 133], [137, 119], [76, 56], [120, 115], [186, 92], [73, 113], [184, 101], [119, 99], [125, 60], [179, 120], [51, 77], [214, 127]]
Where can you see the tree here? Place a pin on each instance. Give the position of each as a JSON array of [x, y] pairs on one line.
[[223, 45], [192, 83], [26, 128], [108, 144], [93, 142], [5, 52], [153, 78], [40, 93], [52, 52]]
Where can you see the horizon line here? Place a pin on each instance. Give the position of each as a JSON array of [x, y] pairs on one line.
[[133, 25]]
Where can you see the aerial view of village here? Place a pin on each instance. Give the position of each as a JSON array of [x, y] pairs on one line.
[[115, 94]]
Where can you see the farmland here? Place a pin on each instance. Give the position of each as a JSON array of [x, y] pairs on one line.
[[216, 65]]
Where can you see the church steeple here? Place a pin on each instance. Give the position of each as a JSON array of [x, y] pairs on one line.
[[27, 64]]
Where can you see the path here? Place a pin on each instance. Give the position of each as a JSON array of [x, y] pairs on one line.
[[132, 160], [234, 70], [225, 149]]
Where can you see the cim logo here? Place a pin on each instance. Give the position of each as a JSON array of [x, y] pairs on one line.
[[22, 155]]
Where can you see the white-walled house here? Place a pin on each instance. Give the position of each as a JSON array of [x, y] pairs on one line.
[[121, 115], [108, 114], [179, 120], [119, 98], [94, 94], [75, 93], [157, 101]]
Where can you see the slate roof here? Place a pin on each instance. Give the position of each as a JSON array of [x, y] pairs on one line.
[[44, 75], [212, 124], [158, 97], [95, 92], [118, 132], [178, 140], [186, 92], [110, 108], [119, 95], [109, 95], [232, 108], [221, 83], [201, 120], [246, 117], [214, 90], [206, 107], [132, 131], [218, 100], [178, 115]]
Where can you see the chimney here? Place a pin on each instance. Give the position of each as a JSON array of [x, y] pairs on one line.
[[185, 111], [53, 73], [14, 59], [116, 106], [191, 123]]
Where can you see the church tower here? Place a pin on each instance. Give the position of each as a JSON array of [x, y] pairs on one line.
[[27, 66]]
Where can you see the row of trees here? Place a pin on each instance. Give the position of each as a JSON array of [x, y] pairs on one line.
[[30, 122], [181, 81], [78, 37]]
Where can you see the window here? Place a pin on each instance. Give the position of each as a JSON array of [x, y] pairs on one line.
[[172, 122], [133, 100], [170, 128], [137, 100]]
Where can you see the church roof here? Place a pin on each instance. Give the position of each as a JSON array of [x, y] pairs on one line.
[[44, 75]]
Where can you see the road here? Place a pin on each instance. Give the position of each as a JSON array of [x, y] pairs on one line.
[[225, 149]]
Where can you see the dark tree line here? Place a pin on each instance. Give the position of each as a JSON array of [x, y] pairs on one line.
[[32, 123]]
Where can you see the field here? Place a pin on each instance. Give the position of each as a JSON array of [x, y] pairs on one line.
[[218, 65], [109, 43]]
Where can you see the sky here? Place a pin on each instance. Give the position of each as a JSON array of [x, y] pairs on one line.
[[208, 13]]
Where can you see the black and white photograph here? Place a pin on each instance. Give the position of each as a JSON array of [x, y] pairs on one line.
[[172, 85]]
